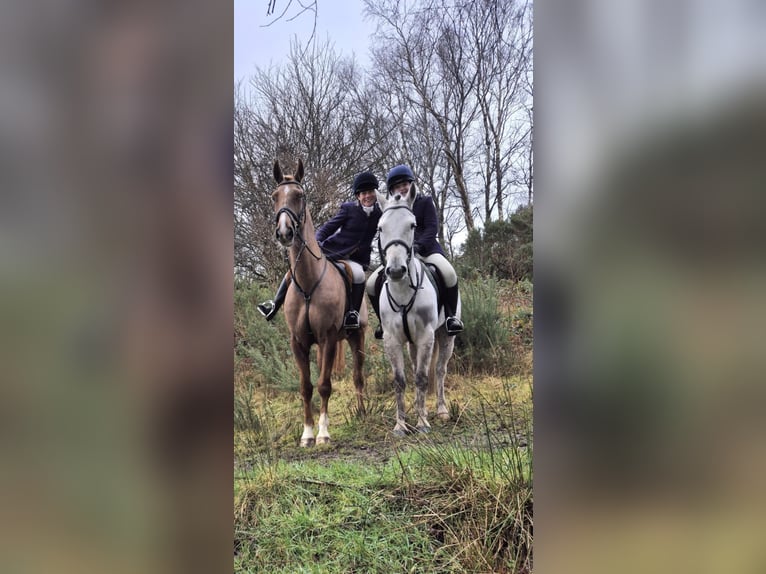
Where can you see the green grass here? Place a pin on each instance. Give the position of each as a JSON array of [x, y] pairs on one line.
[[317, 517], [397, 516], [456, 500]]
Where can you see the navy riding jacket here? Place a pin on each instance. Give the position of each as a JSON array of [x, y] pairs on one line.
[[349, 234], [427, 226]]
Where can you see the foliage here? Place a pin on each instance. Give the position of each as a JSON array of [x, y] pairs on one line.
[[261, 346], [485, 344], [502, 249], [490, 344]]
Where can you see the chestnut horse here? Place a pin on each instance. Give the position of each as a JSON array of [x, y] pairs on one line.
[[315, 303]]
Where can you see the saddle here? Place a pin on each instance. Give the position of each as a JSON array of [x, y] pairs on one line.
[[436, 279], [434, 276], [348, 277]]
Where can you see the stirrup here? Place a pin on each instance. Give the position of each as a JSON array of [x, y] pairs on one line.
[[454, 326], [267, 309], [379, 332], [351, 320]]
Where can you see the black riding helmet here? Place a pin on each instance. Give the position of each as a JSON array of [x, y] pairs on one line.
[[364, 181]]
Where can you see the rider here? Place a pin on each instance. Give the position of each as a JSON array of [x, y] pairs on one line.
[[400, 178], [348, 237]]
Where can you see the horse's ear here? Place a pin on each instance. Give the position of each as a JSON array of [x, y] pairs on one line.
[[381, 199], [411, 195], [277, 172], [299, 172]]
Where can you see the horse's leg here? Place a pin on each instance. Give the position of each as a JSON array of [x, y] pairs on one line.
[[356, 342], [422, 365], [444, 350], [307, 390], [396, 357], [327, 350]]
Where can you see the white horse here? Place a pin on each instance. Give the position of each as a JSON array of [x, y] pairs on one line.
[[409, 311]]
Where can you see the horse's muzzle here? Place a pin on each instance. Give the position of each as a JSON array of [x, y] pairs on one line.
[[396, 273], [285, 236]]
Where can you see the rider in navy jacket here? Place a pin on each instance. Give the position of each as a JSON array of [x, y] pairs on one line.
[[427, 227], [349, 234]]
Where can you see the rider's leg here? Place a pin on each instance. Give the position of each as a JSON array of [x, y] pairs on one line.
[[454, 324], [373, 293], [451, 293], [269, 308], [351, 320]]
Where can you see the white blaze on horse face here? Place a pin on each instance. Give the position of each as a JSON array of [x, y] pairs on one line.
[[397, 225], [285, 232]]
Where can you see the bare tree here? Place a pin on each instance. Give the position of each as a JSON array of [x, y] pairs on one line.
[[501, 33], [317, 107], [420, 54], [468, 67]]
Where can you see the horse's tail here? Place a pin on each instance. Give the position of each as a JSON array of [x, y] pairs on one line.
[[339, 366], [340, 359]]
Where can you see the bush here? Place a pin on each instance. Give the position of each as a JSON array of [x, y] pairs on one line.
[[502, 249], [485, 345], [263, 346]]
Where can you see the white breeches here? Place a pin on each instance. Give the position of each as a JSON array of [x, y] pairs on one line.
[[437, 259], [356, 270], [444, 267]]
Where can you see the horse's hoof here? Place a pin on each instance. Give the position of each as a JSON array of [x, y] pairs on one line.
[[307, 442], [424, 430], [323, 440], [443, 416], [399, 432]]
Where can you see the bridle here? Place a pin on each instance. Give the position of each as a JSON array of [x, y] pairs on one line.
[[409, 248], [297, 222], [397, 307]]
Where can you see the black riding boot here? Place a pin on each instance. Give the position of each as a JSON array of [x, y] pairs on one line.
[[375, 302], [351, 320], [454, 325], [269, 308]]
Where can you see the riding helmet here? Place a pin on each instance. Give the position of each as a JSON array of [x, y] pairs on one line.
[[364, 181], [399, 174]]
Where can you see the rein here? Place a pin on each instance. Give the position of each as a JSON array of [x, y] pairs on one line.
[[405, 309]]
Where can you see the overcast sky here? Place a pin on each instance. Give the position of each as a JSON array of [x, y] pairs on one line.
[[255, 44]]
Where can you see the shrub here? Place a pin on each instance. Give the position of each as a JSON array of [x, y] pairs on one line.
[[485, 345], [502, 249], [263, 346]]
